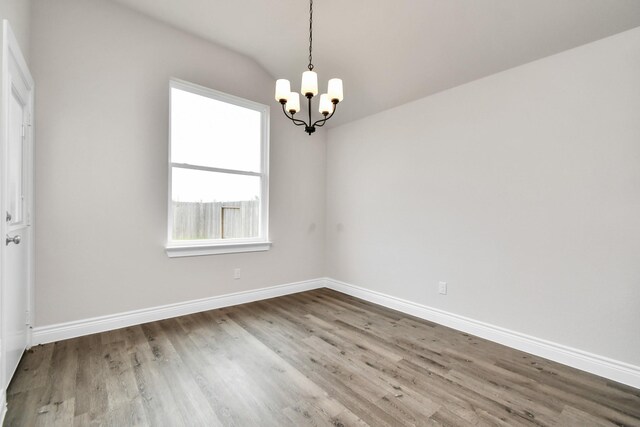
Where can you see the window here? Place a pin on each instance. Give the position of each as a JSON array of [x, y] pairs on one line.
[[218, 173]]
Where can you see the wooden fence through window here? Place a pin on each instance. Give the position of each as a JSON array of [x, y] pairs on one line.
[[216, 220]]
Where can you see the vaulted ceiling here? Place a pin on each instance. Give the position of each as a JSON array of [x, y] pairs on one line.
[[389, 52]]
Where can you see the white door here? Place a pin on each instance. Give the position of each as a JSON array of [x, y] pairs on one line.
[[16, 188]]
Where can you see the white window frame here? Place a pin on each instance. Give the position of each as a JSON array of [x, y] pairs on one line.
[[182, 248]]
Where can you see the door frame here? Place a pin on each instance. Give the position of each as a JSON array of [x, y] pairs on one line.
[[12, 57]]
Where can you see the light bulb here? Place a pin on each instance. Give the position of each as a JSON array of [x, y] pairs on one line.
[[283, 89], [293, 103], [326, 107], [334, 90], [309, 83]]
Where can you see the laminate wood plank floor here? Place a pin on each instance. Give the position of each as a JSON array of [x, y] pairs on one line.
[[318, 358]]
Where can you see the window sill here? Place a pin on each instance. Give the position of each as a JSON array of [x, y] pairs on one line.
[[177, 251]]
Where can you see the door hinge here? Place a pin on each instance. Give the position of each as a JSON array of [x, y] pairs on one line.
[[28, 318], [24, 131]]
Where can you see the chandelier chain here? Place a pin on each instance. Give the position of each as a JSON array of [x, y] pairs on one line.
[[310, 34]]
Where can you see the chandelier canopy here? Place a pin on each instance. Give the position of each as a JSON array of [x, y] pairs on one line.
[[290, 101]]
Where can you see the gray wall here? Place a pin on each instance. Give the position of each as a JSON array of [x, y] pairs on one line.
[[521, 190], [102, 79], [17, 12]]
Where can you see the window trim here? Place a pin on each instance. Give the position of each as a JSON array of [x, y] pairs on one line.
[[182, 248]]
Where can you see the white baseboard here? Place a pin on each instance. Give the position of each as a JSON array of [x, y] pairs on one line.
[[3, 408], [63, 331], [609, 368], [599, 365]]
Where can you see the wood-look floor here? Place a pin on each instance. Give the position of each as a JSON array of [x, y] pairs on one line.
[[316, 358]]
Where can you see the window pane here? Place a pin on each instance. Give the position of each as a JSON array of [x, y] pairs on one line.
[[207, 132], [212, 205]]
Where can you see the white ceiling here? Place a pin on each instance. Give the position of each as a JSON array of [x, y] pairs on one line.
[[395, 51]]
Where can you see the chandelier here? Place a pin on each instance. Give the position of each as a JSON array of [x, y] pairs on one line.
[[290, 101]]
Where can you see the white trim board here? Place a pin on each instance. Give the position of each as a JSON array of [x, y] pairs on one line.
[[599, 365], [3, 409], [63, 331]]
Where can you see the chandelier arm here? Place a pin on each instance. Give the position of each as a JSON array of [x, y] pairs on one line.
[[321, 122], [297, 122]]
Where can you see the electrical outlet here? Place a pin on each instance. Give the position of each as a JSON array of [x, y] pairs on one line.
[[236, 273], [442, 288]]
